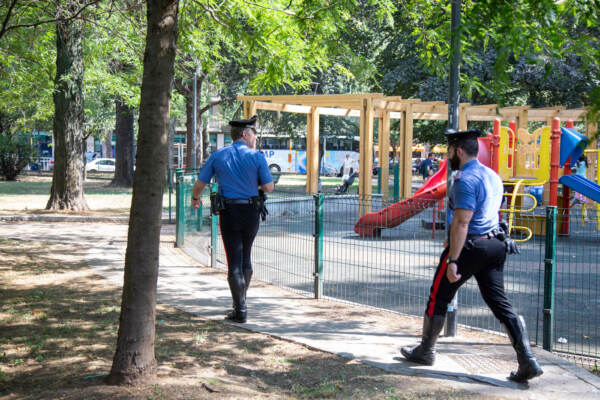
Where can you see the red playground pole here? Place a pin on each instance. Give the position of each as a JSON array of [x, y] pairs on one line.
[[566, 190], [495, 157], [554, 161]]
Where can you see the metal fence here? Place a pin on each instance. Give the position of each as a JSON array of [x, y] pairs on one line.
[[308, 244]]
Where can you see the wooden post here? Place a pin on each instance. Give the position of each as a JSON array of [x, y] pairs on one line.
[[591, 128], [249, 109], [554, 161], [366, 155], [384, 153], [463, 121], [312, 151], [406, 159]]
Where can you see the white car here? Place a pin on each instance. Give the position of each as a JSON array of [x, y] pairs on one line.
[[101, 165]]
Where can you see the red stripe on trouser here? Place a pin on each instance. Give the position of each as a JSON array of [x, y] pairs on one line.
[[436, 286]]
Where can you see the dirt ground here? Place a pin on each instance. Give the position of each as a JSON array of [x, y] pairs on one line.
[[58, 327]]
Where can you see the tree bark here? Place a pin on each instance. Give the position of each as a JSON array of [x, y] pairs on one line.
[[189, 126], [124, 145], [189, 122], [67, 179], [134, 360]]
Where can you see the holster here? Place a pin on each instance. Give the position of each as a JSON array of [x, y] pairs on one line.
[[259, 204], [217, 203]]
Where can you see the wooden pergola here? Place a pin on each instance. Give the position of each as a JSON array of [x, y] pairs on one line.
[[369, 106]]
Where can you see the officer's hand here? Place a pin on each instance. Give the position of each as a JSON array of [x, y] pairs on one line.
[[452, 273], [196, 204], [511, 246]]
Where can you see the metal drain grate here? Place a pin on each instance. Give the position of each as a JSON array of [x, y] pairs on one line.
[[477, 364]]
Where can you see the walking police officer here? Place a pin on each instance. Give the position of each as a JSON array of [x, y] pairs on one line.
[[240, 171], [477, 247]]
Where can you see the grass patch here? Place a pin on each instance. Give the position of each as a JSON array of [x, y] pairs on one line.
[[65, 349]]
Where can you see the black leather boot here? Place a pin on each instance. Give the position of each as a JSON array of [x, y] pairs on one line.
[[528, 365], [237, 316], [238, 295], [247, 278], [424, 353]]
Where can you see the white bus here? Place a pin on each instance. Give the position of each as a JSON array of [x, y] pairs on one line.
[[284, 154]]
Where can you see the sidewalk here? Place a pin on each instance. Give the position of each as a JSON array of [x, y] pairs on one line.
[[477, 362]]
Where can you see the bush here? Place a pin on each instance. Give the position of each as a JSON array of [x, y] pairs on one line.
[[16, 150]]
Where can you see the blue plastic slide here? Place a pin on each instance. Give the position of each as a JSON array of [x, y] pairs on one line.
[[582, 185]]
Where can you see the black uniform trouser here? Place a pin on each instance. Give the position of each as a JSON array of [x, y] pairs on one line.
[[485, 261], [239, 225]]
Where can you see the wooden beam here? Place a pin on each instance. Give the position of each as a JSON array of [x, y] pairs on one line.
[[312, 151], [430, 116], [366, 156], [299, 99], [406, 153], [430, 108], [292, 108], [384, 154]]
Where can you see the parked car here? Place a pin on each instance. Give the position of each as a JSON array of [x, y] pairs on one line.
[[101, 165]]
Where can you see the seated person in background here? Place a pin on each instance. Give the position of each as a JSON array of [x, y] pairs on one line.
[[427, 167]]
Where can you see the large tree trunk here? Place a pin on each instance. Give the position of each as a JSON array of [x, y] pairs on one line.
[[67, 180], [189, 123], [134, 360], [189, 126], [124, 146]]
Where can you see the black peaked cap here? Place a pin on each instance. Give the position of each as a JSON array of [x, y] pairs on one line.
[[453, 135], [242, 123]]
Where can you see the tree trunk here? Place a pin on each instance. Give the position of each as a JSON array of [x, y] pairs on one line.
[[124, 146], [205, 143], [66, 192], [189, 126], [134, 360], [189, 123]]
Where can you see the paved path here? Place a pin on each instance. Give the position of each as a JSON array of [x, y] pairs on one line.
[[477, 362]]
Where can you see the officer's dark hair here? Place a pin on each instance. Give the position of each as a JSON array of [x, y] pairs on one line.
[[469, 145], [237, 131]]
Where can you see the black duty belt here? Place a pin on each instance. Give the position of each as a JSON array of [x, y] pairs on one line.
[[231, 202], [490, 235]]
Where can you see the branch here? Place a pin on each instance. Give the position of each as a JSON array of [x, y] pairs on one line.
[[290, 13], [7, 18], [210, 105], [211, 12], [50, 21]]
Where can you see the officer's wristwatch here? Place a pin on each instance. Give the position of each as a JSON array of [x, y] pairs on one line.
[[451, 260], [194, 198]]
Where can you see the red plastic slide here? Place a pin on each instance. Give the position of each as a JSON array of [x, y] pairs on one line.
[[434, 190]]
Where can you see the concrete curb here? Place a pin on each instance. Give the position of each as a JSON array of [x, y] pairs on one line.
[[69, 218]]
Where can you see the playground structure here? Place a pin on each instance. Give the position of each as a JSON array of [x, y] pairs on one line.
[[515, 153], [522, 159]]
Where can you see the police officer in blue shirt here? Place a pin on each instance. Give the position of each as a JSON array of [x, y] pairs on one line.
[[477, 247], [240, 171]]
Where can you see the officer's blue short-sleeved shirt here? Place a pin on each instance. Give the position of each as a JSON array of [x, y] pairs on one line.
[[239, 171], [479, 189]]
